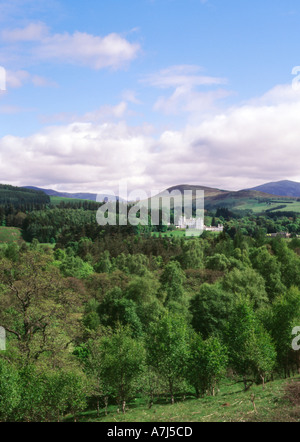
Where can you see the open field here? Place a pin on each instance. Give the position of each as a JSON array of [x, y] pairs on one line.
[[9, 235], [171, 234], [178, 234], [56, 200], [256, 204], [276, 205], [230, 405]]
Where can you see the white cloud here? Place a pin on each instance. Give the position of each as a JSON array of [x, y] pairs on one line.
[[186, 81], [9, 109], [79, 48], [241, 147], [98, 155], [17, 79], [32, 32], [182, 75], [101, 114], [130, 96], [111, 51], [185, 99]]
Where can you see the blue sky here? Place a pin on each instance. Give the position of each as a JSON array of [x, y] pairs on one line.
[[154, 92]]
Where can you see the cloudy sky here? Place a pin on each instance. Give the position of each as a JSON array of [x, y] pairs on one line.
[[152, 92]]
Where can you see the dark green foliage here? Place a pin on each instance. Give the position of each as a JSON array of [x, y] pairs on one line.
[[206, 364], [247, 283], [20, 198], [10, 392], [116, 309], [211, 309], [122, 363], [112, 313], [167, 349], [250, 348]]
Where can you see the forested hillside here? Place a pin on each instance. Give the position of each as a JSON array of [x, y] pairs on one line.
[[21, 199], [99, 318], [98, 323]]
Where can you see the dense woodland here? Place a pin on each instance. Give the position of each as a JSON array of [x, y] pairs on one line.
[[108, 314], [18, 199]]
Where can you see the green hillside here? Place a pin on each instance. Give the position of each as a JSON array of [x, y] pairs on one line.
[[254, 201], [56, 200], [279, 401], [21, 198]]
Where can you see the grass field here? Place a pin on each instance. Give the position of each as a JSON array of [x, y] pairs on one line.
[[278, 402], [178, 234], [56, 200], [257, 206], [171, 234], [9, 235]]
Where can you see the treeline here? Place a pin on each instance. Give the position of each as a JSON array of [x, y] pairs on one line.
[[99, 323], [19, 197], [47, 225], [16, 202]]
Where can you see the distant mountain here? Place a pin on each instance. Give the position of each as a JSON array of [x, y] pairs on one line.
[[216, 198], [280, 188], [270, 197], [79, 196], [209, 191]]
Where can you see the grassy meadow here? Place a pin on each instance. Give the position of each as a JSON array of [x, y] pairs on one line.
[[279, 401]]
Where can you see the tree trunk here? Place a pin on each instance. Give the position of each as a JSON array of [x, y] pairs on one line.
[[263, 381], [124, 406], [171, 392], [151, 401]]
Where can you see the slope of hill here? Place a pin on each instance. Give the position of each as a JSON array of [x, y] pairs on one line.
[[281, 188], [18, 196], [245, 200], [278, 402], [78, 196], [209, 191], [280, 196], [50, 192]]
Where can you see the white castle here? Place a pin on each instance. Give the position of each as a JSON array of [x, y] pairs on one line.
[[197, 224]]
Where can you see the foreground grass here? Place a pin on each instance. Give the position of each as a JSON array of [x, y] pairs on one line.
[[230, 405]]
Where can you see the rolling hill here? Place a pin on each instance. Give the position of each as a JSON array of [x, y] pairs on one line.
[[242, 200], [78, 196], [18, 196], [282, 196], [280, 188]]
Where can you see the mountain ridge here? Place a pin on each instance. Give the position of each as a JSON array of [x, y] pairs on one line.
[[280, 188], [81, 196], [284, 188]]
